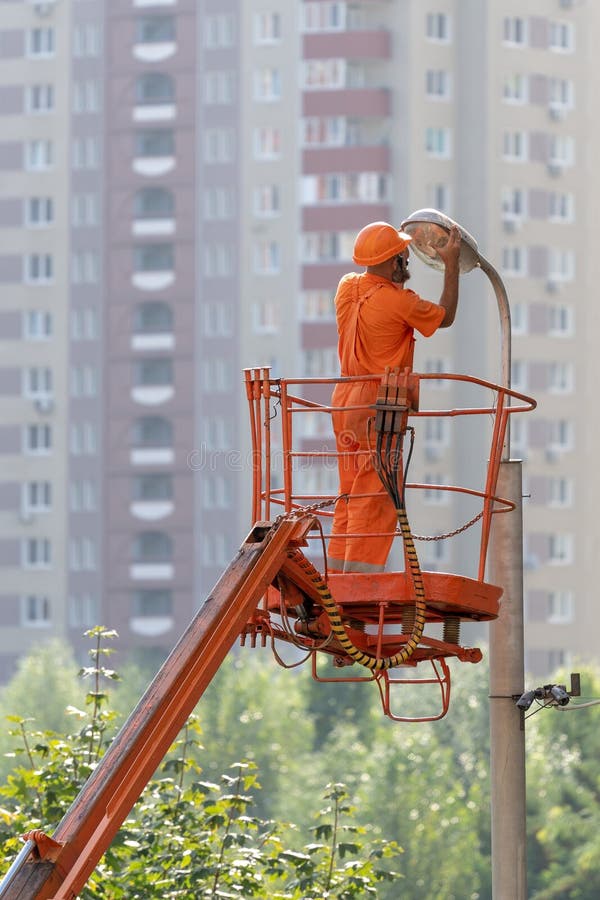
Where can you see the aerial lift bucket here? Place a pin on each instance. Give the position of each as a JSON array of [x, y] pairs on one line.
[[380, 621]]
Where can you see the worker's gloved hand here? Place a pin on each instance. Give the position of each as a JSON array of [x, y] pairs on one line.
[[450, 252]]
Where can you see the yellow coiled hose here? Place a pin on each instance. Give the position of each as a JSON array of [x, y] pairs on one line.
[[374, 663]]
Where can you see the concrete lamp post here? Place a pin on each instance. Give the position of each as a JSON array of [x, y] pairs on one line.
[[429, 228]]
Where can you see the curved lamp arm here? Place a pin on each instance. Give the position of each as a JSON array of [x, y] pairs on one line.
[[429, 228]]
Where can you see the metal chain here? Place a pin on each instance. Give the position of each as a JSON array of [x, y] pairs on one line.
[[449, 534]]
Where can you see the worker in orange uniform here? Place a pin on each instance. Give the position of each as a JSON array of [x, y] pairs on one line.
[[376, 320]]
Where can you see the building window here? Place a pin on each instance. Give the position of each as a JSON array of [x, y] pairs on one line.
[[39, 211], [152, 486], [329, 131], [216, 375], [83, 611], [84, 210], [518, 375], [438, 365], [154, 142], [37, 439], [265, 317], [87, 41], [560, 492], [519, 318], [561, 264], [438, 142], [153, 317], [84, 381], [561, 207], [219, 203], [82, 496], [267, 142], [516, 88], [267, 257], [515, 146], [326, 74], [267, 27], [154, 88], [152, 547], [154, 258], [39, 268], [219, 145], [40, 98], [322, 361], [561, 93], [216, 492], [438, 197], [560, 549], [218, 261], [86, 97], [217, 433], [37, 325], [35, 611], [561, 435], [562, 150], [36, 496], [514, 31], [437, 84], [85, 267], [514, 203], [217, 319], [37, 382], [514, 261], [153, 203], [560, 607], [83, 439], [82, 554], [561, 378], [214, 550], [84, 324], [562, 37], [562, 321], [86, 153], [324, 16], [36, 553], [154, 29], [151, 603], [267, 85], [152, 431], [40, 42], [317, 306], [38, 155], [218, 88], [219, 31], [153, 372], [438, 27]]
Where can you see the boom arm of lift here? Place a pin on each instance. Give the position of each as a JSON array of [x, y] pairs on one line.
[[59, 867]]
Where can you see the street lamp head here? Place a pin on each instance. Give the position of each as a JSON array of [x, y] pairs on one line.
[[429, 229]]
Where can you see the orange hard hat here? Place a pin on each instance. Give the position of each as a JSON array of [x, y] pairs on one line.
[[377, 242]]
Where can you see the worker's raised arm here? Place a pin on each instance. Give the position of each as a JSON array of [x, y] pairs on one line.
[[449, 254]]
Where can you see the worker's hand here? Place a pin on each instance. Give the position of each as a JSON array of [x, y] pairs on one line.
[[450, 252]]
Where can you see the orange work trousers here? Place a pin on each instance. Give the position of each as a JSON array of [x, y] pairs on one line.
[[368, 510]]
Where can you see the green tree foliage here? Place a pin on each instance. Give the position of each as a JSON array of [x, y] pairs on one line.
[[423, 787], [564, 798], [186, 837]]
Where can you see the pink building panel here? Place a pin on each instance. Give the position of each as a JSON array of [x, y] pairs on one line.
[[315, 335], [348, 45], [343, 217], [348, 102], [346, 159], [325, 277]]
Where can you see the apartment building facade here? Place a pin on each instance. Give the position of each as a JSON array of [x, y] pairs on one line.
[[181, 182]]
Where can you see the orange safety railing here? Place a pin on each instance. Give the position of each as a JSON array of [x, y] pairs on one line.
[[278, 404]]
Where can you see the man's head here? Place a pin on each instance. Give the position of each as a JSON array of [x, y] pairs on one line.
[[383, 250]]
